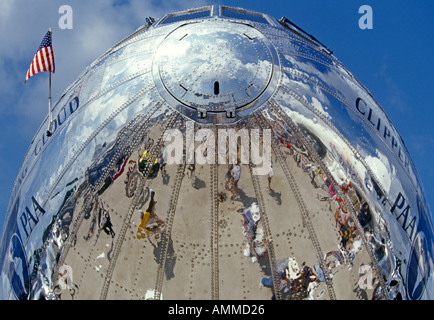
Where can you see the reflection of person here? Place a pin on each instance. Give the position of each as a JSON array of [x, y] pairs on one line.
[[345, 217], [162, 163], [150, 221], [345, 236], [267, 282], [332, 191], [143, 159], [308, 276], [364, 215], [192, 173], [107, 224], [270, 176], [145, 216], [228, 178], [312, 172], [236, 174]]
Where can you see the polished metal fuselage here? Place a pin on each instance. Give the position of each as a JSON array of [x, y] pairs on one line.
[[336, 156]]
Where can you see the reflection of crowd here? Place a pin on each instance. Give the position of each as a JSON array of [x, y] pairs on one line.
[[345, 224], [148, 164], [347, 227]]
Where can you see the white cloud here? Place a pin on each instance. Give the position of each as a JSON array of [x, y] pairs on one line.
[[97, 26]]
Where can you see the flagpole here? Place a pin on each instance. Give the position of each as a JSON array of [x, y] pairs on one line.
[[50, 117]]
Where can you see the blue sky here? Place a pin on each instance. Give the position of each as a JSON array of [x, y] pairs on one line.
[[393, 60]]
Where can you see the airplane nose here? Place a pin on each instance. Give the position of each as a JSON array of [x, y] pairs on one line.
[[214, 68]]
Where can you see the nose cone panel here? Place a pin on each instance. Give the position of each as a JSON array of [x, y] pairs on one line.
[[214, 67]]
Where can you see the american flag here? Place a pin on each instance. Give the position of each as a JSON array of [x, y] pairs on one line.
[[44, 58]]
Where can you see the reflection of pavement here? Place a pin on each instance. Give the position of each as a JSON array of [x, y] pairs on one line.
[[187, 271]]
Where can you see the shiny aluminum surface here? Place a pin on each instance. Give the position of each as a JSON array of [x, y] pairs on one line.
[[344, 215], [215, 71]]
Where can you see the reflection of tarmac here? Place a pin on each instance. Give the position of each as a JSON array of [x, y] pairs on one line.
[[188, 251]]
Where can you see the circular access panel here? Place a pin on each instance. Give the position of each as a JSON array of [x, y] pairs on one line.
[[214, 66]]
